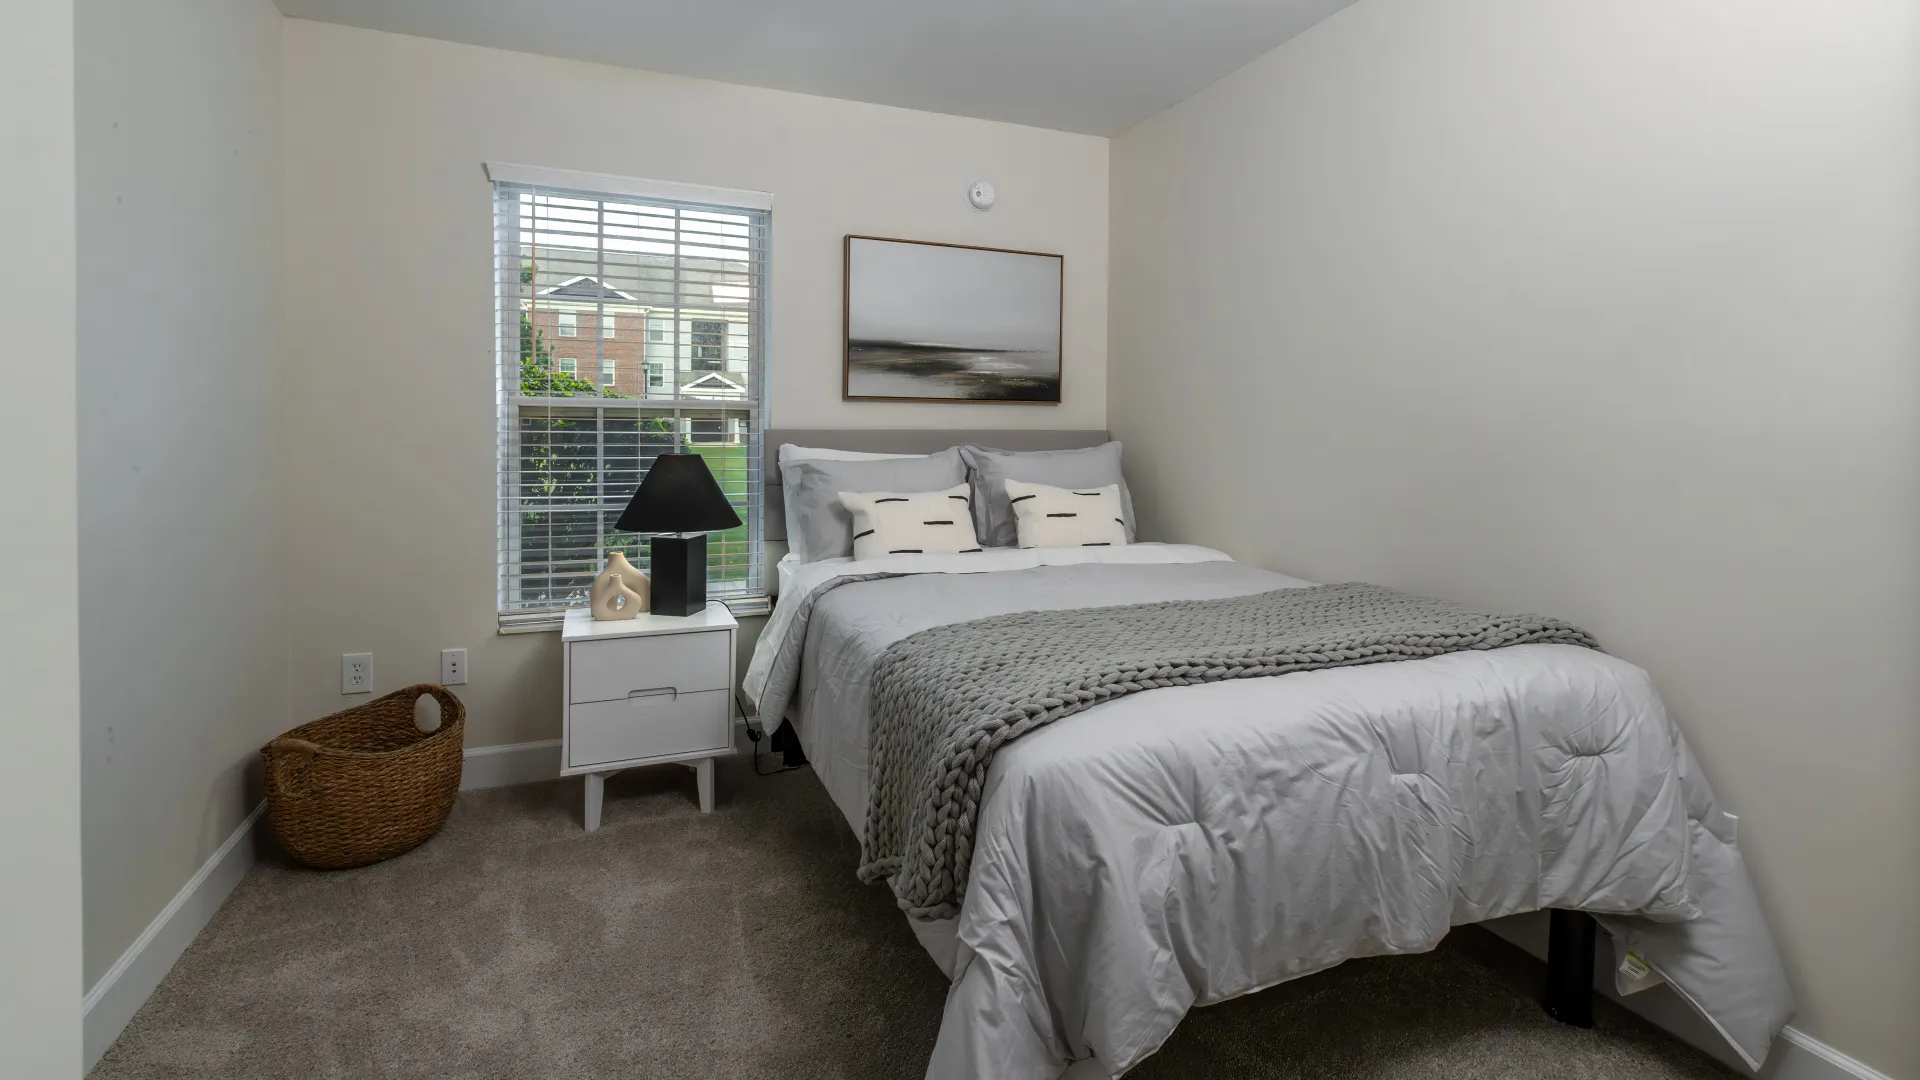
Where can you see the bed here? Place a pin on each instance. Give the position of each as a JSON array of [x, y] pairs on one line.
[[1180, 846]]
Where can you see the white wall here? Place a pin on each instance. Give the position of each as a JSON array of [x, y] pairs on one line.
[[39, 635], [183, 616], [1605, 310], [391, 423]]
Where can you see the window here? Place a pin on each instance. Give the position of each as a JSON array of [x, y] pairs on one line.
[[572, 452], [709, 340]]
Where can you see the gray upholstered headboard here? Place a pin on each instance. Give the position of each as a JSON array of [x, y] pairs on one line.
[[905, 441]]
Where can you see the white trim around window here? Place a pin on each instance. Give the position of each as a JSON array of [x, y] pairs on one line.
[[571, 455], [501, 172]]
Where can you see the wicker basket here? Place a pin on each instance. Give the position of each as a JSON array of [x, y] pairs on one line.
[[365, 784]]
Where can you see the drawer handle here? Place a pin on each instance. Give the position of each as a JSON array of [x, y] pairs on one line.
[[658, 691]]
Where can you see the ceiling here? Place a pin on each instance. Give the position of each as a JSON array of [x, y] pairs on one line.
[[1093, 66]]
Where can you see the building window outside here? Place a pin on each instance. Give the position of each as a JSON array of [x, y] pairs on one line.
[[569, 324], [656, 330], [606, 373], [608, 326], [569, 366], [709, 344], [656, 375]]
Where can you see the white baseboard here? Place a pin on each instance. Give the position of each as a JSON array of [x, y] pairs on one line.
[[1796, 1055], [125, 987], [1799, 1056], [521, 763], [508, 764]]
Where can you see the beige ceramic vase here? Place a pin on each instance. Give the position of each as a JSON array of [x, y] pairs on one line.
[[620, 592]]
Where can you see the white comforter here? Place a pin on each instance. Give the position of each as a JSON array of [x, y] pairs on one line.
[[1186, 845]]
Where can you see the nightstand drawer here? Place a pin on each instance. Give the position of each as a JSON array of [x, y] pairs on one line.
[[661, 725], [611, 670]]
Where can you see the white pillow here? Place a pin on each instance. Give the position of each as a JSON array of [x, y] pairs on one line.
[[790, 452], [819, 525], [910, 523], [1084, 470], [1046, 516]]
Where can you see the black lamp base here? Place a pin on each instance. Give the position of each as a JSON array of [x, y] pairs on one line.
[[679, 574]]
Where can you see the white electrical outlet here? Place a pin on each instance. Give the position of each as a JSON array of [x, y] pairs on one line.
[[356, 673], [453, 667]]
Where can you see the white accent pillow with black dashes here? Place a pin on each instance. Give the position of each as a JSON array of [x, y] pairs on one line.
[[1045, 516], [910, 523]]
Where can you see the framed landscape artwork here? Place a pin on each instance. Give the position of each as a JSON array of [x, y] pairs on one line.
[[944, 322]]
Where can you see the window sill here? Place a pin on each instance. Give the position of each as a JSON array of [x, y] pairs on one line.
[[543, 622]]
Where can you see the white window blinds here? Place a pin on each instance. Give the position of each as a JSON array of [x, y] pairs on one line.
[[677, 291]]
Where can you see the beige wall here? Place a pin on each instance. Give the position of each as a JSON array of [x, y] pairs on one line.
[[1606, 310], [183, 616], [39, 634], [389, 321]]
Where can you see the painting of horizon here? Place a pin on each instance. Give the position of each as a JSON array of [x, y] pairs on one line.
[[940, 322]]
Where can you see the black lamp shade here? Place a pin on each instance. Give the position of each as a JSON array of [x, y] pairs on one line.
[[678, 495]]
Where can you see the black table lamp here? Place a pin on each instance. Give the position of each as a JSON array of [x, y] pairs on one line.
[[679, 496]]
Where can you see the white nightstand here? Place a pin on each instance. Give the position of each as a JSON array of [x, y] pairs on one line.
[[646, 691]]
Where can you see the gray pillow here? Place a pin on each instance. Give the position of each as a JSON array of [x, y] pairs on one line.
[[819, 527], [1096, 466]]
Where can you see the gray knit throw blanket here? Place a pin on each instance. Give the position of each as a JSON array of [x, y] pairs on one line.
[[945, 699]]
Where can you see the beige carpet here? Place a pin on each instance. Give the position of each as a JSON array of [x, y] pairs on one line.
[[739, 944]]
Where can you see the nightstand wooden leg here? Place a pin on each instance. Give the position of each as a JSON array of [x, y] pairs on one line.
[[596, 791], [703, 776]]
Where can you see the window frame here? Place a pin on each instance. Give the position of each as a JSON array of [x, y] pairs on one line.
[[566, 324], [742, 421]]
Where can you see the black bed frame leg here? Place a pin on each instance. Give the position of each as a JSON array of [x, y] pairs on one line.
[[1571, 936], [787, 744]]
